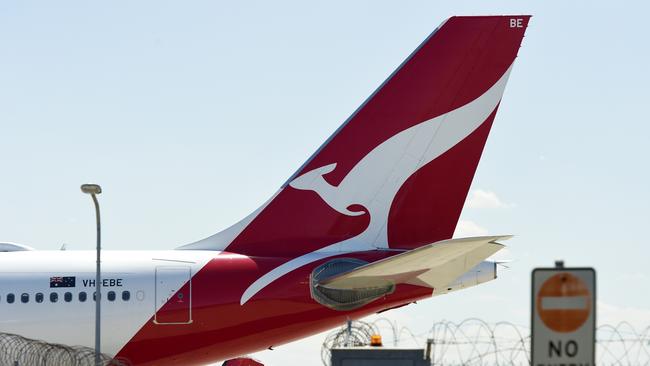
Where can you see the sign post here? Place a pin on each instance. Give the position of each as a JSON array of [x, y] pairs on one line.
[[563, 316]]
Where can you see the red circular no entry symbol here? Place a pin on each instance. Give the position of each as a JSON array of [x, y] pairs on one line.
[[564, 302]]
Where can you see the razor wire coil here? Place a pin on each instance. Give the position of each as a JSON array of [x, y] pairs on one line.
[[471, 342], [474, 342], [20, 351]]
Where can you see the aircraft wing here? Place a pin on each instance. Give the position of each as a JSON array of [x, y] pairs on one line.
[[435, 265]]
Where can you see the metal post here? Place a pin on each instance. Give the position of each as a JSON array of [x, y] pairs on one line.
[[98, 288], [348, 334], [94, 190]]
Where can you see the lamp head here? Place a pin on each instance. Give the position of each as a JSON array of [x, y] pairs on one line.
[[91, 188]]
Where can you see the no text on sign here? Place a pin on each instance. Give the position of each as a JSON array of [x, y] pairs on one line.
[[563, 321]]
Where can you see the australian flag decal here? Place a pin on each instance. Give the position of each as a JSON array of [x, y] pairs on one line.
[[68, 281]]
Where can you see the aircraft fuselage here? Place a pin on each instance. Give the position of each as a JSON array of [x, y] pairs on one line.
[[171, 307]]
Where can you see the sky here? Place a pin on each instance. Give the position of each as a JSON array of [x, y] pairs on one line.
[[191, 114]]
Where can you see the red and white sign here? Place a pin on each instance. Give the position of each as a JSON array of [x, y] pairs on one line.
[[563, 316]]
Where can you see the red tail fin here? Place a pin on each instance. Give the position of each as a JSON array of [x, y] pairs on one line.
[[397, 172]]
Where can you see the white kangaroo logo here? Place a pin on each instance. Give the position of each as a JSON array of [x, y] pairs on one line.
[[314, 181], [375, 180]]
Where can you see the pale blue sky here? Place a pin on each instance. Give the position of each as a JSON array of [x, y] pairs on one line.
[[190, 114]]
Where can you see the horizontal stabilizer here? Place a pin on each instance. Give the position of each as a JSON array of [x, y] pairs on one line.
[[435, 265], [13, 247]]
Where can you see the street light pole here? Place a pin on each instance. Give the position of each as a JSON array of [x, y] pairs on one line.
[[93, 190]]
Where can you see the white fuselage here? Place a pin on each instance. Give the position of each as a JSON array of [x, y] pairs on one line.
[[135, 284]]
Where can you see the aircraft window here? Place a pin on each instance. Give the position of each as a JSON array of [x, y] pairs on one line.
[[54, 297], [39, 297], [94, 295], [10, 298], [126, 296], [67, 296], [24, 298], [83, 296], [111, 295]]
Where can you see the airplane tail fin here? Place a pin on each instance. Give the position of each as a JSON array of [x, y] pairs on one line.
[[397, 172]]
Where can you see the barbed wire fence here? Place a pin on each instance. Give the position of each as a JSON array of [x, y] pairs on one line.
[[471, 342], [20, 351], [474, 342], [357, 335]]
